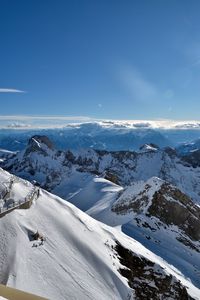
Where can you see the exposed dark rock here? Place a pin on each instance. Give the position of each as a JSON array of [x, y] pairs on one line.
[[35, 144], [111, 177], [170, 151], [192, 158], [136, 204], [188, 243], [148, 280], [173, 207], [169, 205]]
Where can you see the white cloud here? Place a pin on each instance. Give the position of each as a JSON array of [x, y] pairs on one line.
[[5, 90], [18, 125], [51, 122], [48, 122], [31, 121]]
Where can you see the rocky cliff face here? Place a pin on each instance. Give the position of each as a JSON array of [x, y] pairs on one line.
[[173, 207], [157, 198], [140, 271], [40, 144], [192, 158]]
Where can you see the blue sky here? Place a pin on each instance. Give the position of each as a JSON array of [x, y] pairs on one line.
[[100, 58]]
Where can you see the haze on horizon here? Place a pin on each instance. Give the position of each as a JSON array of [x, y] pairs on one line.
[[102, 59]]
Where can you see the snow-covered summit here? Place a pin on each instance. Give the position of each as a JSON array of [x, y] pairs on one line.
[[148, 147]]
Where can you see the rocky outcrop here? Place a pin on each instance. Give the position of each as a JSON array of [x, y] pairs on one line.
[[147, 280], [166, 203], [173, 207], [192, 158], [111, 177], [39, 143], [170, 151]]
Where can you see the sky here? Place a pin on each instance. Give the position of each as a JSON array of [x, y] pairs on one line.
[[113, 59]]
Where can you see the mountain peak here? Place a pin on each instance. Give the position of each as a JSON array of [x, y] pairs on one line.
[[39, 143]]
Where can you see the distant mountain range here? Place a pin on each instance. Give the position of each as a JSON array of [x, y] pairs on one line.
[[103, 136]]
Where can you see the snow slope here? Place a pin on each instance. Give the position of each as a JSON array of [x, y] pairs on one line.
[[78, 260]]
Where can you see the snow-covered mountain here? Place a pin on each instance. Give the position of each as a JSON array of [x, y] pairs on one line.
[[65, 172], [79, 257], [150, 194], [87, 135], [109, 135], [188, 147]]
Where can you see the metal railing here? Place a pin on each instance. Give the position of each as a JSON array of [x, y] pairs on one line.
[[15, 204]]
